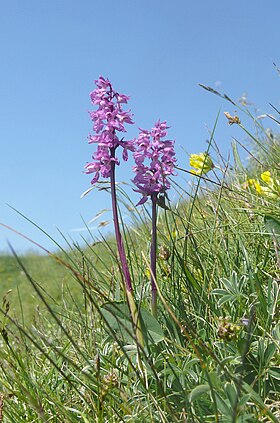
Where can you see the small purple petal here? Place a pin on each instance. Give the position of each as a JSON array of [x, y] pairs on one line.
[[142, 201]]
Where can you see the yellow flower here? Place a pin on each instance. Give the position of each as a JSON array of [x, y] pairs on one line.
[[266, 177], [273, 185], [256, 185], [271, 189], [202, 163]]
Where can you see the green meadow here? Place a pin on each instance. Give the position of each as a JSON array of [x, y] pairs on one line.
[[69, 349]]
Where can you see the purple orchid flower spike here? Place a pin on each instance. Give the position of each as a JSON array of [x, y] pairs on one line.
[[154, 163], [110, 119]]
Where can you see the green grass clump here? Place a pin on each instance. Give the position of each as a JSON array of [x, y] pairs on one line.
[[213, 355]]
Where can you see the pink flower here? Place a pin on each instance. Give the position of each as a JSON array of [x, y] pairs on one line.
[[108, 119], [155, 160]]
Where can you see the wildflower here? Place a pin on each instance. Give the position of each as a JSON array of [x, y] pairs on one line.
[[271, 189], [266, 177], [108, 119], [155, 160], [154, 163], [202, 163], [255, 184]]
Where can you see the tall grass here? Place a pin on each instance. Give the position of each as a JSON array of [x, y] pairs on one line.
[[212, 355]]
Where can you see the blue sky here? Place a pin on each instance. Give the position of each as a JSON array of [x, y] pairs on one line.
[[156, 51]]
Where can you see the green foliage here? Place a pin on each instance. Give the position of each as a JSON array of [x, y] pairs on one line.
[[117, 316], [68, 350]]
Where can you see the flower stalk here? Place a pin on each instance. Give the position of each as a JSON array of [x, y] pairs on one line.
[[153, 255], [109, 119], [154, 163], [128, 285]]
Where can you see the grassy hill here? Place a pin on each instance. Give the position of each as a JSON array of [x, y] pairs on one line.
[[212, 354]]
